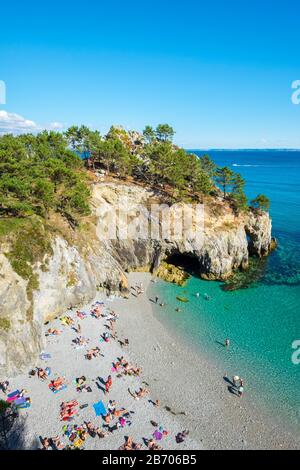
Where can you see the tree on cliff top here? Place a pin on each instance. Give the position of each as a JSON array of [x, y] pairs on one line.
[[225, 177], [164, 132], [261, 202]]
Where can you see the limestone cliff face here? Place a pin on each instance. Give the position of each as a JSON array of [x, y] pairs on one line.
[[225, 243], [74, 273]]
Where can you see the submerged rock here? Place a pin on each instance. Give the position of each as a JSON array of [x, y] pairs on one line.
[[171, 273]]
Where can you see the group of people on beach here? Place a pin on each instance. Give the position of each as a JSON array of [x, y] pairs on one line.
[[116, 417]]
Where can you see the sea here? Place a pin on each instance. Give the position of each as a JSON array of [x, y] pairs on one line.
[[262, 321]]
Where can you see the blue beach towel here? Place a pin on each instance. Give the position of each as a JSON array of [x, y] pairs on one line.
[[59, 390], [13, 394], [99, 408], [24, 405]]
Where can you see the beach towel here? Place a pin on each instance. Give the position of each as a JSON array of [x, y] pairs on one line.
[[44, 356], [56, 390], [81, 315], [20, 401], [99, 409], [13, 394], [24, 405], [78, 443], [157, 435]]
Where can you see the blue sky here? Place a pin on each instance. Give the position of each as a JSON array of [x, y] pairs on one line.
[[219, 72]]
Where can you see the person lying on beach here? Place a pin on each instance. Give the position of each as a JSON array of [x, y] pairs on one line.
[[111, 328], [42, 374], [53, 332], [152, 445], [105, 337], [180, 437], [118, 413], [112, 315], [101, 434], [67, 320], [4, 386], [45, 443], [80, 341], [129, 444], [91, 429], [77, 328], [131, 370], [96, 312], [56, 443], [57, 383], [81, 384], [122, 422], [68, 410], [94, 352], [142, 392], [81, 315]]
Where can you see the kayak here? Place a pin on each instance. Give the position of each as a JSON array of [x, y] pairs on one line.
[[182, 299]]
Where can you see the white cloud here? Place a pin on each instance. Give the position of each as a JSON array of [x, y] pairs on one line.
[[56, 126], [12, 123], [16, 124]]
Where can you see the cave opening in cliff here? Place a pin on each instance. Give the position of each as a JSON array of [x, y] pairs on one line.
[[189, 263]]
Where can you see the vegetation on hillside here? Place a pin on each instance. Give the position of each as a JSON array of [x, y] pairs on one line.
[[40, 173], [153, 158]]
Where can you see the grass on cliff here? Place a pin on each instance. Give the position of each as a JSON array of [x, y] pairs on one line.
[[26, 242]]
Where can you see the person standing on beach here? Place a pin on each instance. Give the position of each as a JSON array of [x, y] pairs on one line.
[[108, 384], [156, 299], [240, 390], [227, 343]]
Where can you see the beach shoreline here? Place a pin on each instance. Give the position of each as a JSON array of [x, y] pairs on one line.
[[191, 389], [216, 418]]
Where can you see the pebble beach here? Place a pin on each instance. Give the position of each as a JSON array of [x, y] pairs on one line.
[[192, 392]]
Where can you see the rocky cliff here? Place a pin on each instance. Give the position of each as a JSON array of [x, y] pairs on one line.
[[76, 269]]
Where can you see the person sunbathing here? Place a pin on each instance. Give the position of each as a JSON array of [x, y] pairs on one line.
[[152, 445], [53, 332], [120, 413], [141, 393], [94, 352], [42, 374], [180, 437], [96, 312], [91, 429], [45, 443], [105, 337], [4, 386], [101, 434], [57, 444], [68, 410], [80, 341], [58, 383], [129, 444]]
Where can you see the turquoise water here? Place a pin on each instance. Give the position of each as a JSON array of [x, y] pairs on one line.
[[263, 320]]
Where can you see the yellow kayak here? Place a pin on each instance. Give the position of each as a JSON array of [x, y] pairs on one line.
[[182, 299]]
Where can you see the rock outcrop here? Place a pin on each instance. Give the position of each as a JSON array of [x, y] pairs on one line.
[[75, 272]]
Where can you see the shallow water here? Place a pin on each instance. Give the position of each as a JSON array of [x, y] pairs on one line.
[[263, 320]]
